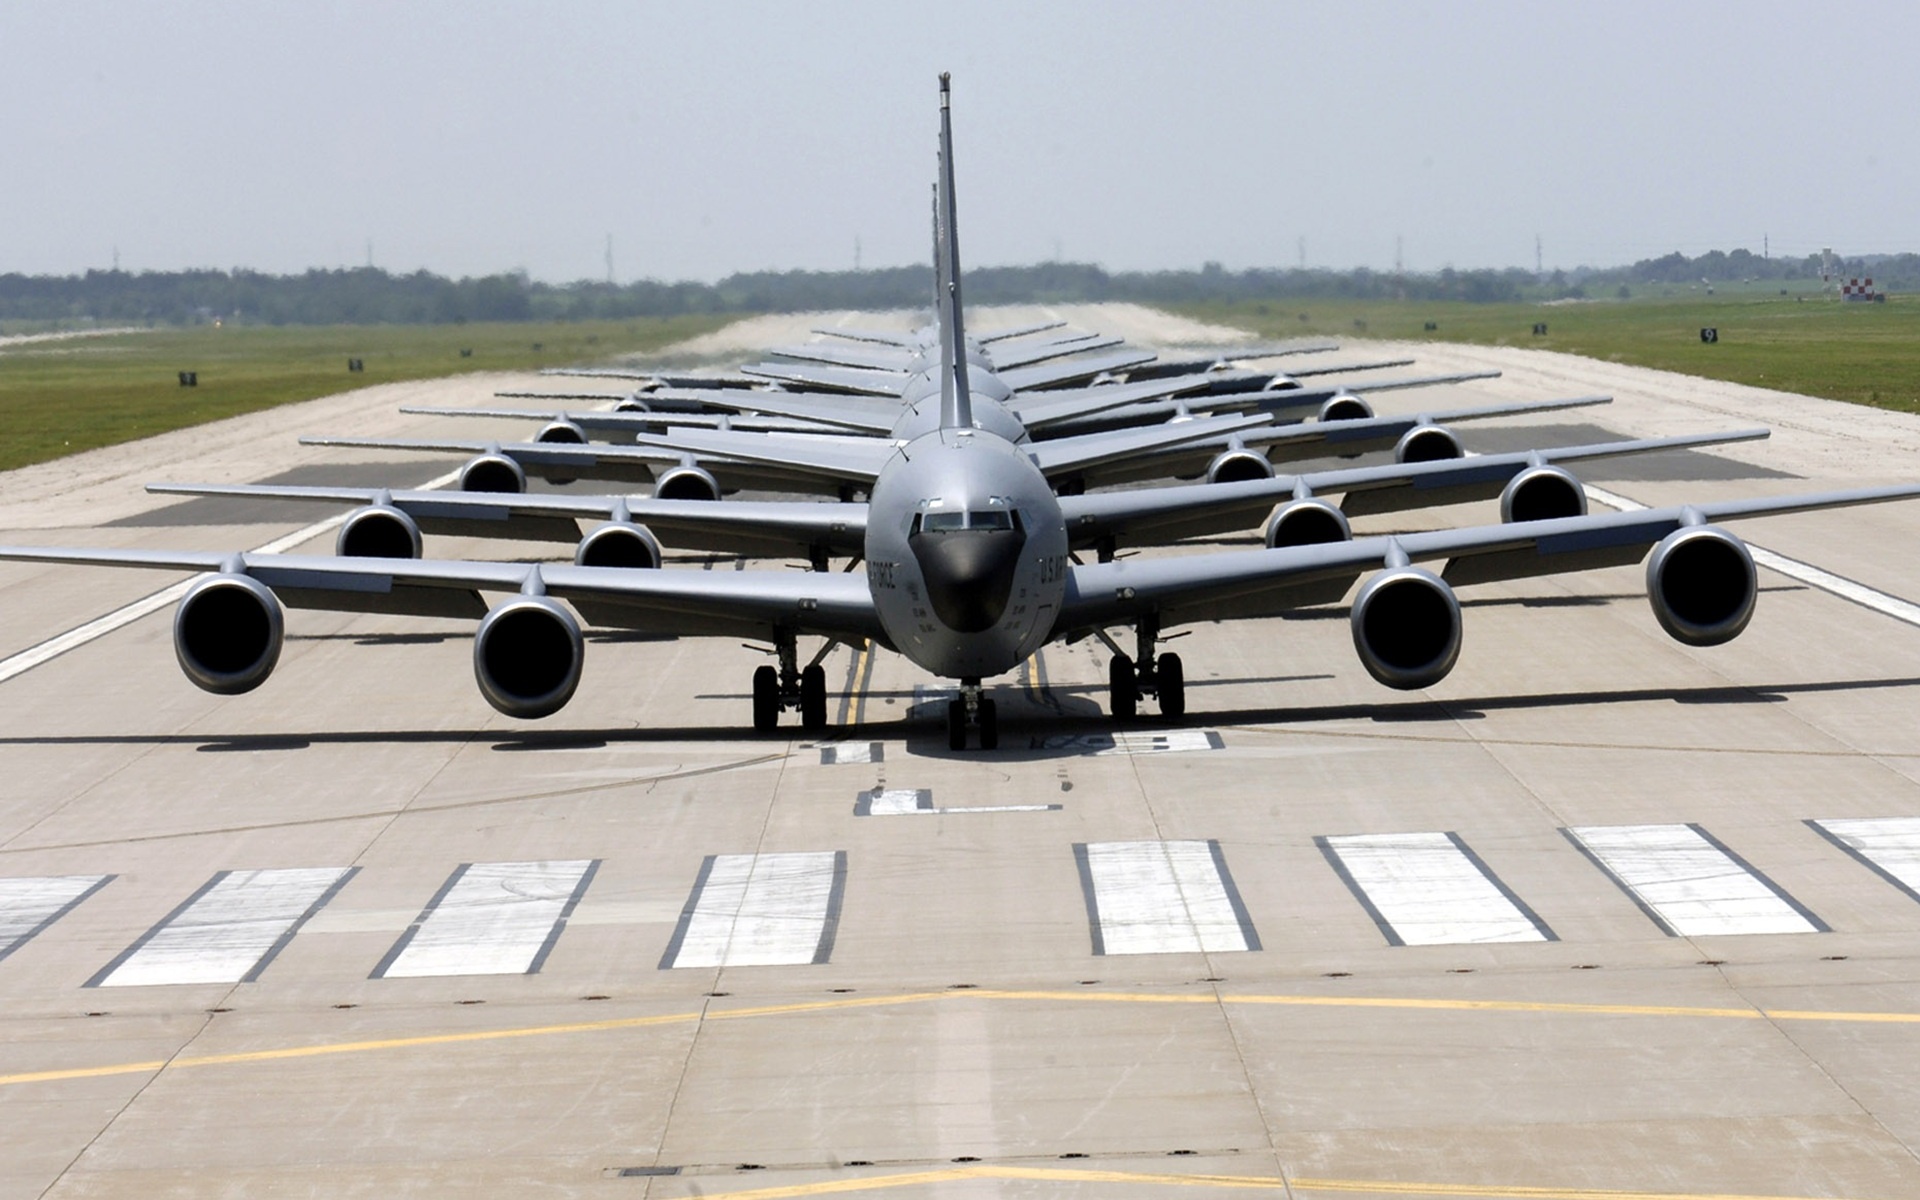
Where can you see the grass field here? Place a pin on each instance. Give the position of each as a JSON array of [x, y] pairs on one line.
[[1812, 344], [61, 397]]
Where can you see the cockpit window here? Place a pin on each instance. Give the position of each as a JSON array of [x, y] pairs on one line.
[[992, 518], [943, 522], [948, 522]]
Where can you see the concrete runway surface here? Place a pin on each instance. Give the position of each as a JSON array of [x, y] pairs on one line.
[[1598, 915]]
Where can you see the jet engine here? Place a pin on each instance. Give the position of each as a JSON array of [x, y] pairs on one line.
[[1427, 443], [1406, 627], [227, 633], [1307, 522], [378, 531], [687, 483], [563, 431], [1542, 494], [619, 544], [492, 473], [1238, 465], [1702, 585], [1345, 406], [527, 655], [631, 404]]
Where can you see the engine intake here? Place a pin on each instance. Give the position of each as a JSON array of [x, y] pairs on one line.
[[1239, 465], [1307, 522], [1702, 585], [1345, 406], [378, 531], [526, 657], [227, 633], [687, 483], [1427, 443], [563, 432], [492, 473], [619, 544], [1406, 628], [1542, 494], [631, 404]]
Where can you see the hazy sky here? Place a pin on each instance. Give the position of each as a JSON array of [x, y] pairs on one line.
[[713, 137]]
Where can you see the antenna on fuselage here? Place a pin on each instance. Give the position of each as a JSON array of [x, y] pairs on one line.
[[956, 402]]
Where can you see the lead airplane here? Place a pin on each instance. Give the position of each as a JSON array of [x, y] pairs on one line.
[[968, 573]]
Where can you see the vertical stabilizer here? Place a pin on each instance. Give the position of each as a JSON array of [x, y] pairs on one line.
[[956, 402]]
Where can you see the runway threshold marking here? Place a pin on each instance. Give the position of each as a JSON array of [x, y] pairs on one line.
[[1838, 585], [1430, 889], [1889, 846], [1162, 898], [760, 910], [33, 656], [846, 1003], [490, 919], [228, 930], [1689, 883], [29, 905], [1277, 1183], [905, 802]]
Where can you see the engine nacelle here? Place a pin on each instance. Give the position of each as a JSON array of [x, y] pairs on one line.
[[1702, 585], [378, 531], [1345, 406], [527, 655], [619, 544], [1282, 383], [631, 404], [1307, 522], [1427, 443], [492, 473], [227, 633], [562, 431], [1238, 465], [1542, 494], [687, 483], [1406, 628]]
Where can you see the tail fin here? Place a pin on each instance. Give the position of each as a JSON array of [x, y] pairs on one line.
[[956, 402]]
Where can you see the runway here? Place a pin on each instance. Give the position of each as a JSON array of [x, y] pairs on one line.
[[1599, 915]]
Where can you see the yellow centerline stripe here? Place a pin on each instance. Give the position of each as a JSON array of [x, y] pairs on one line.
[[1427, 1004], [1369, 1187], [861, 661]]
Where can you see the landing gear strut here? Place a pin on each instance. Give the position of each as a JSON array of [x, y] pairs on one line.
[[1148, 673], [790, 686], [975, 709]]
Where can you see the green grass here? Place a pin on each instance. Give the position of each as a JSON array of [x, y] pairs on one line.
[[62, 397], [1816, 345]]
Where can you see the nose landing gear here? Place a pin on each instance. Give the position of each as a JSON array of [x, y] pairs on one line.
[[972, 708], [790, 686], [1147, 674]]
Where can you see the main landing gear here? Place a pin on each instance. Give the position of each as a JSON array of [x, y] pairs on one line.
[[1153, 674], [790, 686], [972, 709]]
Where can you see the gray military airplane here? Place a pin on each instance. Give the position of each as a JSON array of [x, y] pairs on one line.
[[968, 572]]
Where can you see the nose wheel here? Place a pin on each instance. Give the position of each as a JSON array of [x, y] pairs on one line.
[[972, 709], [776, 689], [1162, 676]]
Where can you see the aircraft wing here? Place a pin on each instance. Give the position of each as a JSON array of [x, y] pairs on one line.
[[627, 424], [1040, 410], [1031, 353], [1164, 514], [1001, 335], [877, 358], [1072, 370], [1311, 439], [756, 527], [1349, 368], [670, 602], [906, 341], [1063, 456], [847, 460], [1256, 583], [859, 381]]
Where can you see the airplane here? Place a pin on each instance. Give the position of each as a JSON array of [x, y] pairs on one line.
[[968, 573]]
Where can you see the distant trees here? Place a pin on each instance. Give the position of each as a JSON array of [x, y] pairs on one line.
[[368, 295]]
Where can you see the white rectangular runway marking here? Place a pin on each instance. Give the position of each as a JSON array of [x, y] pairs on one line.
[[1170, 741], [908, 802], [228, 931], [844, 753], [491, 919], [1689, 883], [1429, 889], [28, 906], [754, 910], [1162, 898], [1889, 845]]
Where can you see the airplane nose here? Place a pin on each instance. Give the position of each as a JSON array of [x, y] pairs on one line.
[[969, 574]]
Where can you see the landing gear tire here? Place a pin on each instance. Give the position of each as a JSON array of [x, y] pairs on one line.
[[766, 699], [813, 699], [989, 725], [1173, 687], [1123, 695], [956, 725]]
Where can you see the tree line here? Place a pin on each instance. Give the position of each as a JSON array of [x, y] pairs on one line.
[[369, 295]]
